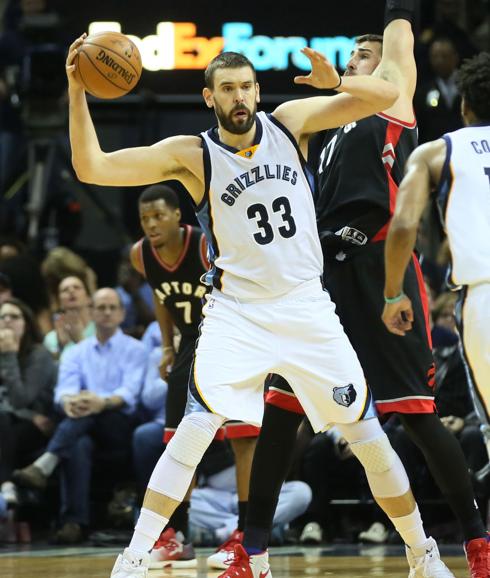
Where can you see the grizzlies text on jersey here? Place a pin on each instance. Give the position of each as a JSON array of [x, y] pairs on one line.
[[258, 215]]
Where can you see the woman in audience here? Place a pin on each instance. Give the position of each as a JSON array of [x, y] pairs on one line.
[[27, 379], [73, 321], [60, 263]]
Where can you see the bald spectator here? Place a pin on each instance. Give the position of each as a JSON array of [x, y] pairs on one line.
[[97, 391]]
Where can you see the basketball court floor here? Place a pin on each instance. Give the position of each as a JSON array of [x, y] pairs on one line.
[[288, 562]]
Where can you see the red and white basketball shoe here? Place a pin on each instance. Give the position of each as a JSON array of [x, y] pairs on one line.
[[245, 566], [478, 557], [224, 554], [171, 552]]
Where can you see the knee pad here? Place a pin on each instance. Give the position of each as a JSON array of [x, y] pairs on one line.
[[192, 438], [376, 455], [175, 469]]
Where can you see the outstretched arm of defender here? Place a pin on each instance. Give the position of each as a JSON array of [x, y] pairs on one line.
[[363, 96], [169, 158], [423, 169], [398, 61]]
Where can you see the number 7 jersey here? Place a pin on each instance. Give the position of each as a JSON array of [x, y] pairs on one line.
[[258, 214]]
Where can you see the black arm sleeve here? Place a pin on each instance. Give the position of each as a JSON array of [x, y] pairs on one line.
[[404, 9]]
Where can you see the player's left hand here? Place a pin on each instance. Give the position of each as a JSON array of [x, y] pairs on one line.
[[398, 317], [323, 73]]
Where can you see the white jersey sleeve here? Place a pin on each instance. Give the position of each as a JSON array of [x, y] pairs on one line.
[[258, 215], [464, 203]]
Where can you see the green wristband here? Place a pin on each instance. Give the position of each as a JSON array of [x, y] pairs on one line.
[[397, 299]]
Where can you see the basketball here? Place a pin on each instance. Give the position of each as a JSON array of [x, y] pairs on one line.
[[108, 64]]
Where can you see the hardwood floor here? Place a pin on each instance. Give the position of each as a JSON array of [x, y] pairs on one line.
[[351, 562]]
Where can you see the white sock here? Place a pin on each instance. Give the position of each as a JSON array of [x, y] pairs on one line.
[[147, 530], [47, 463], [412, 531]]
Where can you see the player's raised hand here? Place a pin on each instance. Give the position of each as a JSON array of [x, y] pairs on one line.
[[70, 64], [398, 317], [323, 73]]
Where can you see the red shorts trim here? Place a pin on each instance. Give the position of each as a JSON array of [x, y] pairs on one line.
[[286, 401], [406, 406], [168, 434], [241, 430]]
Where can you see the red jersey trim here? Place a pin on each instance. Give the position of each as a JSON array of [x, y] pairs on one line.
[[423, 298], [241, 430], [393, 133], [284, 401], [409, 405], [173, 268], [204, 251], [397, 120]]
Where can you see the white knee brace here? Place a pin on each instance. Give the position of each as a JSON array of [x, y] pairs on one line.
[[376, 455], [385, 472], [174, 471]]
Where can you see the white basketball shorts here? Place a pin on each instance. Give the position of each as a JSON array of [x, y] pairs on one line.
[[476, 342], [298, 336]]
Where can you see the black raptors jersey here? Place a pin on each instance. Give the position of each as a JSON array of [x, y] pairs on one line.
[[360, 167], [179, 286]]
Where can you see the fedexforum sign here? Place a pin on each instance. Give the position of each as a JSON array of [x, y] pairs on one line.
[[175, 46]]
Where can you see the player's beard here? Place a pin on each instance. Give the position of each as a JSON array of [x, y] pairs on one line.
[[231, 125]]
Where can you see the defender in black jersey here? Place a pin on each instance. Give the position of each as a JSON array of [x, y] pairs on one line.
[[359, 167], [173, 258]]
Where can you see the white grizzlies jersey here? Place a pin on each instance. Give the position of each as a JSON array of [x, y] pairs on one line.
[[464, 203], [258, 215]]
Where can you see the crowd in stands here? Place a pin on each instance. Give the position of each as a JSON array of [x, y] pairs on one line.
[[82, 402]]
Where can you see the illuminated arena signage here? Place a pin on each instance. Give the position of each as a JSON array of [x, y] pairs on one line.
[[175, 46]]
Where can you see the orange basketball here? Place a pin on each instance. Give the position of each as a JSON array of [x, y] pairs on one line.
[[108, 64]]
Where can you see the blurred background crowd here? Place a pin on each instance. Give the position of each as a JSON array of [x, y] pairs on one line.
[[65, 276]]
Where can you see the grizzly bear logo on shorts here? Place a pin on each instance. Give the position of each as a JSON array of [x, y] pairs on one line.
[[345, 396]]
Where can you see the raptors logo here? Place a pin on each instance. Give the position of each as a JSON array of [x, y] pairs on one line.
[[345, 396]]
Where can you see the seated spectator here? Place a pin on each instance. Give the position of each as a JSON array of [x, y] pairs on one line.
[[148, 437], [437, 101], [27, 380], [137, 298], [97, 391], [73, 321], [152, 337], [60, 263], [214, 503]]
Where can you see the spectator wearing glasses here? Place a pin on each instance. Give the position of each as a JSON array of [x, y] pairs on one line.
[[98, 387], [27, 379]]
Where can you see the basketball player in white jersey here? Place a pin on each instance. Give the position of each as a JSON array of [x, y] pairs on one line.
[[267, 311], [457, 167]]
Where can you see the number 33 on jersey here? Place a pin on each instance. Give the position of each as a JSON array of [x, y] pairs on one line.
[[258, 215]]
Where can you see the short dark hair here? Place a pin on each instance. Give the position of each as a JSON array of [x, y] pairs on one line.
[[226, 60], [474, 84], [160, 192], [370, 38]]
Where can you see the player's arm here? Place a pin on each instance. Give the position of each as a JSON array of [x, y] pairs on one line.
[[172, 158], [166, 324], [136, 258], [398, 61], [423, 170], [362, 96]]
